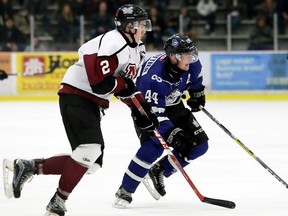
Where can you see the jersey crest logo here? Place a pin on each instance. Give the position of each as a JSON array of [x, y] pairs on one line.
[[173, 97], [129, 72]]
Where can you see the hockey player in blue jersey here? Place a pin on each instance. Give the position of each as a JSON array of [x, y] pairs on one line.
[[164, 79]]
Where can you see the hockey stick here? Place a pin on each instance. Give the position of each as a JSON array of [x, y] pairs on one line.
[[244, 147], [51, 70], [218, 202]]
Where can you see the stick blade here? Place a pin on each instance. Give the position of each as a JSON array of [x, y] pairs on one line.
[[219, 202]]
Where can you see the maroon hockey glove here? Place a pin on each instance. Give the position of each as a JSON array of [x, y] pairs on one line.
[[197, 98], [128, 91], [3, 75]]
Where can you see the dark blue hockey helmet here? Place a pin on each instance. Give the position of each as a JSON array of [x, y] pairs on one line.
[[180, 44]]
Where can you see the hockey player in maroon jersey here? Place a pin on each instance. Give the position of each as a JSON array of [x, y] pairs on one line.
[[107, 66]]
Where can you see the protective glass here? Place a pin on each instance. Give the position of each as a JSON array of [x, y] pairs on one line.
[[193, 55], [143, 24]]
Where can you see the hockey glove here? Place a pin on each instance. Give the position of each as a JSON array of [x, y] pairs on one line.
[[197, 98], [180, 142], [144, 123], [128, 90], [3, 75]]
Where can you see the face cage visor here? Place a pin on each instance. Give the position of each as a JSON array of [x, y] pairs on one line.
[[142, 24], [187, 55]]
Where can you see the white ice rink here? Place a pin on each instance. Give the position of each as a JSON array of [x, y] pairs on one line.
[[34, 129]]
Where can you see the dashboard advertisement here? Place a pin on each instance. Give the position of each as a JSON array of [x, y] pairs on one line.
[[249, 71]]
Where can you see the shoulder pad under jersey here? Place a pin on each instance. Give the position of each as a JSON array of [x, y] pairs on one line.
[[111, 43]]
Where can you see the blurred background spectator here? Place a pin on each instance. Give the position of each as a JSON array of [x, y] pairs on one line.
[[234, 10], [282, 10], [5, 10], [187, 20], [154, 39], [102, 20], [261, 37], [207, 11], [68, 26], [251, 8], [268, 8], [11, 38], [39, 9], [79, 8], [38, 46], [91, 8], [22, 22], [161, 5], [172, 27], [190, 2]]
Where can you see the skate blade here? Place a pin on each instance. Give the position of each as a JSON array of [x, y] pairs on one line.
[[8, 168], [48, 213], [120, 203], [154, 193]]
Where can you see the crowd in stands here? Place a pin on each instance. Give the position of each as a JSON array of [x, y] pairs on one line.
[[62, 24]]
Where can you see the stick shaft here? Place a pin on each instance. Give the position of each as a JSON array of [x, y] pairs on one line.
[[244, 147]]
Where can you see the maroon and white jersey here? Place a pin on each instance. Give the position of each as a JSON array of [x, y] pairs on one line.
[[103, 63]]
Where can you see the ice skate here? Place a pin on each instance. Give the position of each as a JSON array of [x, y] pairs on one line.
[[123, 198], [157, 177], [56, 206], [23, 171], [150, 187]]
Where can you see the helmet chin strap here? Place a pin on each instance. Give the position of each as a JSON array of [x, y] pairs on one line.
[[134, 43], [132, 36], [172, 69]]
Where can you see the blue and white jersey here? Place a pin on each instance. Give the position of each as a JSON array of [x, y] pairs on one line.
[[161, 90]]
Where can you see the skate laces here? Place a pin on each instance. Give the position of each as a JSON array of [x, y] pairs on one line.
[[122, 191], [57, 203], [123, 194], [27, 176], [159, 176], [161, 179]]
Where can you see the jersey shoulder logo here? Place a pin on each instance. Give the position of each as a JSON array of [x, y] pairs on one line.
[[129, 72]]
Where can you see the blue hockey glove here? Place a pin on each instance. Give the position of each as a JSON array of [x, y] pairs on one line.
[[180, 142], [197, 98], [144, 123]]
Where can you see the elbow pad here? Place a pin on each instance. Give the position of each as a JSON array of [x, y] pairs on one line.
[[105, 86]]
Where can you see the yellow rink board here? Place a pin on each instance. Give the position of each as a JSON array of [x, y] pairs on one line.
[[209, 96]]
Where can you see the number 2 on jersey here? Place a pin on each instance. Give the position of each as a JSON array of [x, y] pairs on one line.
[[105, 67]]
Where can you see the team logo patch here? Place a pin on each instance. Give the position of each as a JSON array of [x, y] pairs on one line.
[[175, 43], [127, 10]]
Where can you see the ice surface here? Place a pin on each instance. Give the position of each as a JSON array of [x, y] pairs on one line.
[[34, 129]]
